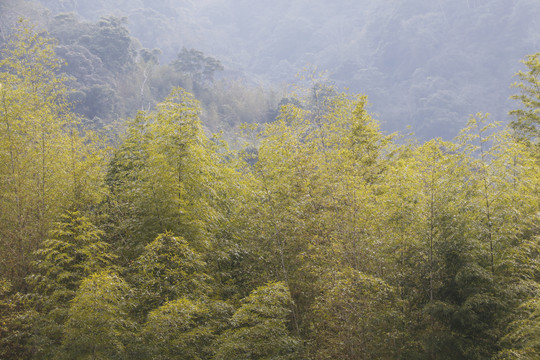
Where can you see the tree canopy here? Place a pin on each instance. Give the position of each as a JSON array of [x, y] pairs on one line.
[[316, 236]]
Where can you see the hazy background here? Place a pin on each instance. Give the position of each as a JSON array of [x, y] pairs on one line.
[[423, 63]]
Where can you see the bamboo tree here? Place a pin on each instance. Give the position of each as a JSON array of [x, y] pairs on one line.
[[168, 269], [73, 251], [527, 119], [439, 170], [356, 318], [38, 168], [98, 326], [185, 329], [168, 176], [259, 328], [480, 139]]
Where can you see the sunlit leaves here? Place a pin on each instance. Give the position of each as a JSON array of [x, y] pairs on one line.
[[527, 121], [260, 327], [167, 176], [185, 329], [169, 269], [47, 163], [97, 323], [73, 251], [356, 317], [522, 341]]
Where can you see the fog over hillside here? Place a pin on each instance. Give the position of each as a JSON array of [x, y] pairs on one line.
[[428, 64], [170, 188]]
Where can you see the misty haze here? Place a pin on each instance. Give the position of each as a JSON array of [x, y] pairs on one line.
[[249, 179]]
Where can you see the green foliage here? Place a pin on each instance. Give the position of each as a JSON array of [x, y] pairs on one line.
[[382, 250], [97, 326], [125, 180], [16, 315], [527, 119], [47, 163], [260, 327], [356, 317], [317, 169], [32, 146], [73, 251], [168, 176], [185, 329], [151, 172], [169, 269], [466, 307], [522, 341]]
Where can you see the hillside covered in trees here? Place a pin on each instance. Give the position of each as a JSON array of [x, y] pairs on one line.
[[111, 76], [130, 234], [424, 64], [427, 64]]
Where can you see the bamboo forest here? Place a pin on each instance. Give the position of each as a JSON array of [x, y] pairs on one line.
[[166, 211]]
